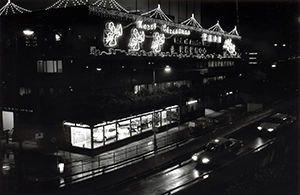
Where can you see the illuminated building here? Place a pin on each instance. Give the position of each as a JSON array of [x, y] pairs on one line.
[[99, 72]]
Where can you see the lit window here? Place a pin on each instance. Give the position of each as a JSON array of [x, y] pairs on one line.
[[24, 90], [49, 66]]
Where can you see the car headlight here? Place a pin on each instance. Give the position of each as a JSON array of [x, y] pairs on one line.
[[205, 160], [195, 157], [259, 128], [271, 129]]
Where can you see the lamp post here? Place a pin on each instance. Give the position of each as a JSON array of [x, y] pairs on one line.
[[167, 69]]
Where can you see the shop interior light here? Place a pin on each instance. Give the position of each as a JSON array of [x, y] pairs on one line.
[[192, 102]]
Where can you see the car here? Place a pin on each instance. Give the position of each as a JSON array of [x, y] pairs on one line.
[[217, 151], [109, 134], [274, 122]]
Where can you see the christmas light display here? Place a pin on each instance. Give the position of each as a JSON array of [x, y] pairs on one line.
[[234, 32], [176, 31], [13, 8], [136, 39], [66, 3], [157, 13], [111, 34], [216, 28], [158, 41], [191, 22], [159, 19], [229, 46], [141, 25], [110, 4]]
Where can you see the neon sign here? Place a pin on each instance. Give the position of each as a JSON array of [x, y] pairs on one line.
[[175, 31], [136, 39], [229, 46], [211, 38], [111, 34], [140, 25], [158, 41]]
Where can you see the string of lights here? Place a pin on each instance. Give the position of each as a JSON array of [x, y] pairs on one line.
[[234, 32], [216, 28], [13, 8], [66, 3], [157, 13], [111, 4], [192, 22]]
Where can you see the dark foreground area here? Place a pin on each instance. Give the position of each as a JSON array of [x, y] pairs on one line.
[[279, 177]]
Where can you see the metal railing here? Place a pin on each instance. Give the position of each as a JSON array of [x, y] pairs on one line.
[[80, 170]]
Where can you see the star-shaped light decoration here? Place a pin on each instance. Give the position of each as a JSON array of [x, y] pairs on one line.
[[10, 7]]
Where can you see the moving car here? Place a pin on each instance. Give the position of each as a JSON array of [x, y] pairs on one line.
[[275, 122], [217, 152]]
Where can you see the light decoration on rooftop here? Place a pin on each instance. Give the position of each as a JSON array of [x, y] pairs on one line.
[[10, 7], [137, 38], [230, 47], [214, 34], [66, 3], [158, 41], [192, 22], [110, 4], [234, 32], [111, 34], [158, 14], [216, 28]]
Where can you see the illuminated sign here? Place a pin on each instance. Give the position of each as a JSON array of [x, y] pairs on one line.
[[141, 25], [111, 34], [164, 28], [136, 39], [229, 46], [211, 38], [158, 41], [176, 31]]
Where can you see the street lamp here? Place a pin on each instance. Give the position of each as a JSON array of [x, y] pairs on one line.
[[28, 32], [167, 69]]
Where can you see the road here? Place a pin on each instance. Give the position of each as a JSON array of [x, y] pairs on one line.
[[165, 180]]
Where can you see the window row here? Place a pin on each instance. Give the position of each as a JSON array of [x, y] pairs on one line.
[[207, 81], [112, 131], [161, 86], [212, 64], [49, 66]]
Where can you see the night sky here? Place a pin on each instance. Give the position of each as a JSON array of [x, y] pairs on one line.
[[260, 23]]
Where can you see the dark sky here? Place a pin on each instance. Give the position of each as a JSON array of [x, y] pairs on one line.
[[261, 23]]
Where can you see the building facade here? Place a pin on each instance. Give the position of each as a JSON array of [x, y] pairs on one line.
[[90, 75]]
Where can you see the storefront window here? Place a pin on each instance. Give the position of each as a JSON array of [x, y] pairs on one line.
[[110, 133], [146, 124], [81, 137], [157, 119], [123, 129], [98, 136], [135, 126], [164, 118]]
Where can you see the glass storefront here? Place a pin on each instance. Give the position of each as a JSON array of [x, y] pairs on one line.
[[111, 131]]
